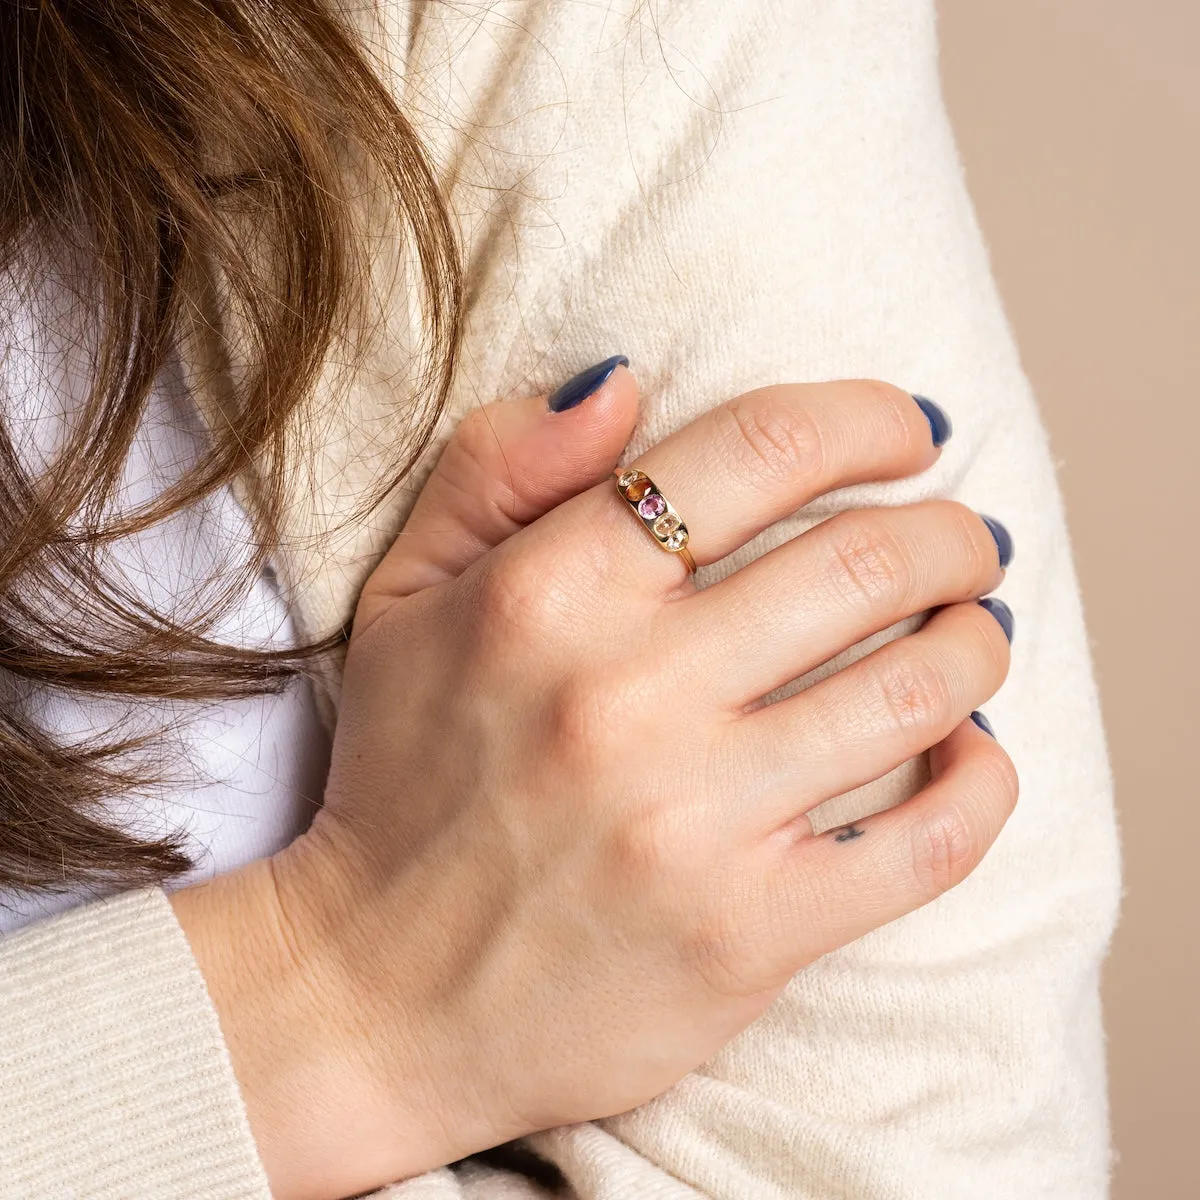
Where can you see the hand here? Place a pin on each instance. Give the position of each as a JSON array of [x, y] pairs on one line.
[[505, 465], [563, 856]]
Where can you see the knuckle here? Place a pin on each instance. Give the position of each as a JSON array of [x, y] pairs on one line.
[[946, 848], [473, 466], [589, 717], [774, 439], [896, 408], [869, 561], [474, 436], [970, 540], [646, 851], [501, 596], [514, 600], [727, 953], [989, 653], [999, 784], [915, 690]]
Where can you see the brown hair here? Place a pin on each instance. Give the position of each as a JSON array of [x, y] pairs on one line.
[[157, 141]]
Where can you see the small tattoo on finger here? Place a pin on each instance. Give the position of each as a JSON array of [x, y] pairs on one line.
[[848, 834]]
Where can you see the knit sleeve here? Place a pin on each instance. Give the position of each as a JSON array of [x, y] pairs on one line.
[[742, 194], [116, 1083]]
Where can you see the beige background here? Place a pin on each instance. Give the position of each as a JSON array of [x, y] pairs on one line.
[[1079, 121]]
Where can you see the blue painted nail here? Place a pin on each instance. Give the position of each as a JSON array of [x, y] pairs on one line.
[[983, 723], [1004, 542], [939, 423], [579, 387], [1001, 612]]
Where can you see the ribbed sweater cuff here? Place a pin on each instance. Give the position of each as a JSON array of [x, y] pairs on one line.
[[115, 1079]]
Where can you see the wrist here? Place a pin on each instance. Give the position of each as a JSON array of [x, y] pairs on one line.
[[318, 1106], [421, 1058]]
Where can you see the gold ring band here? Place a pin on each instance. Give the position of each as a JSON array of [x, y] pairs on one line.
[[655, 512]]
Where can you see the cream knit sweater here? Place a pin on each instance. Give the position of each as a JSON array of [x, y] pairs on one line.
[[732, 194]]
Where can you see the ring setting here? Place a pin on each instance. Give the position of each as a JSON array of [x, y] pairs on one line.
[[655, 512]]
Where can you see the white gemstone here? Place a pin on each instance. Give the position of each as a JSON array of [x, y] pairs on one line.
[[676, 540]]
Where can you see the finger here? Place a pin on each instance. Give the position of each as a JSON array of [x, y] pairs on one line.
[[877, 713], [830, 588], [506, 465], [852, 880], [742, 466]]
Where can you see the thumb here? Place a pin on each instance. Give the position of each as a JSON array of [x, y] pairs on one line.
[[507, 464]]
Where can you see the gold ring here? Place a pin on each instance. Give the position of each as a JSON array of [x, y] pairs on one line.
[[655, 512]]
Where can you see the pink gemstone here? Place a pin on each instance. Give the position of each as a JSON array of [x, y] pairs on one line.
[[653, 506]]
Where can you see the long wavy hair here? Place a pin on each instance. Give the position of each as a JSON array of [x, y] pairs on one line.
[[162, 141]]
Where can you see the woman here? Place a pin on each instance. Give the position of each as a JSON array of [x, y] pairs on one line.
[[565, 855]]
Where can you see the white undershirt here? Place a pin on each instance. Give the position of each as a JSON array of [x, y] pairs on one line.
[[247, 773]]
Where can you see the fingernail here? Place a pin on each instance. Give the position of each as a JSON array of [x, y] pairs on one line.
[[1003, 539], [1001, 612], [939, 423], [983, 723], [579, 387]]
